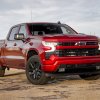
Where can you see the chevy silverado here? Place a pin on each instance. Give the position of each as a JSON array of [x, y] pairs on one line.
[[49, 49]]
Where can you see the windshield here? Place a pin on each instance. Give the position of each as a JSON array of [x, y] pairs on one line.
[[50, 29]]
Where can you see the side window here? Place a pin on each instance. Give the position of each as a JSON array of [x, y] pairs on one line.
[[23, 30], [13, 32], [64, 30]]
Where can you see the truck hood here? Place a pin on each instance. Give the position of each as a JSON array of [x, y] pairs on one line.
[[70, 37]]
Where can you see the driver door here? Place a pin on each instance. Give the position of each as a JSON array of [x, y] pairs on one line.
[[14, 56]]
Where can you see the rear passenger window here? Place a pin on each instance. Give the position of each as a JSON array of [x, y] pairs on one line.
[[13, 32]]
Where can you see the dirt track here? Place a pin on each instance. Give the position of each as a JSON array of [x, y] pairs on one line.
[[14, 86]]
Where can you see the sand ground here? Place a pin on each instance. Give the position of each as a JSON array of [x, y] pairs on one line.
[[15, 86]]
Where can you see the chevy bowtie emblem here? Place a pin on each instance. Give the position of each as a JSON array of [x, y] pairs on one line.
[[80, 43]]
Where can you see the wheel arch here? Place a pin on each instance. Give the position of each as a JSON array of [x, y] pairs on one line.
[[32, 52]]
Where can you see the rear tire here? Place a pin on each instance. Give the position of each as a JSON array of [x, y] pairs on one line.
[[2, 71], [90, 77], [34, 73]]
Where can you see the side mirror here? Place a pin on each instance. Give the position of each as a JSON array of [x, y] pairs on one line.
[[19, 36]]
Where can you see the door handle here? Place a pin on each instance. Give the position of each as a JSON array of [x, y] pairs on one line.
[[5, 45], [15, 44]]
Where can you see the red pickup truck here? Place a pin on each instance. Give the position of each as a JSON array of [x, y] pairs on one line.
[[47, 49]]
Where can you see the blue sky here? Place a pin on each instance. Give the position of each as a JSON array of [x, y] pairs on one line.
[[82, 15]]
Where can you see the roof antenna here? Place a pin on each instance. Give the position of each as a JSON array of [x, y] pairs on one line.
[[31, 15], [59, 22]]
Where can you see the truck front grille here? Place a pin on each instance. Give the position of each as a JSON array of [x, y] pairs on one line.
[[73, 52], [76, 52], [91, 43], [73, 43], [66, 43]]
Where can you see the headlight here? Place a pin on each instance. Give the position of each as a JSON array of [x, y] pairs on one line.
[[49, 44], [99, 46], [99, 43]]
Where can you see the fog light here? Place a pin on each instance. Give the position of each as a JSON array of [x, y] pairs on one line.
[[97, 67]]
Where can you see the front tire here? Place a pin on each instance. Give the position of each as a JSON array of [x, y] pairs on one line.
[[34, 73], [90, 77]]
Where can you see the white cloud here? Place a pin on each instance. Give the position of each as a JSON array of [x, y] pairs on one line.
[[83, 15]]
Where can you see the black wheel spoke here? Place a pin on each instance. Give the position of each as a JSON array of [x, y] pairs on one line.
[[38, 74], [34, 70], [31, 65], [34, 75], [37, 64]]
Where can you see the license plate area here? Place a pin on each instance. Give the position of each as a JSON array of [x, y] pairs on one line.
[[98, 67]]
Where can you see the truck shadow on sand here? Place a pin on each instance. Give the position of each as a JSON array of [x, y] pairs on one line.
[[15, 74], [18, 81]]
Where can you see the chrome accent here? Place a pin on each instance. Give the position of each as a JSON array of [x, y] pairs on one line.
[[82, 43]]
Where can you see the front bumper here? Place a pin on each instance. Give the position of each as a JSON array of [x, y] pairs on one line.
[[53, 64]]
